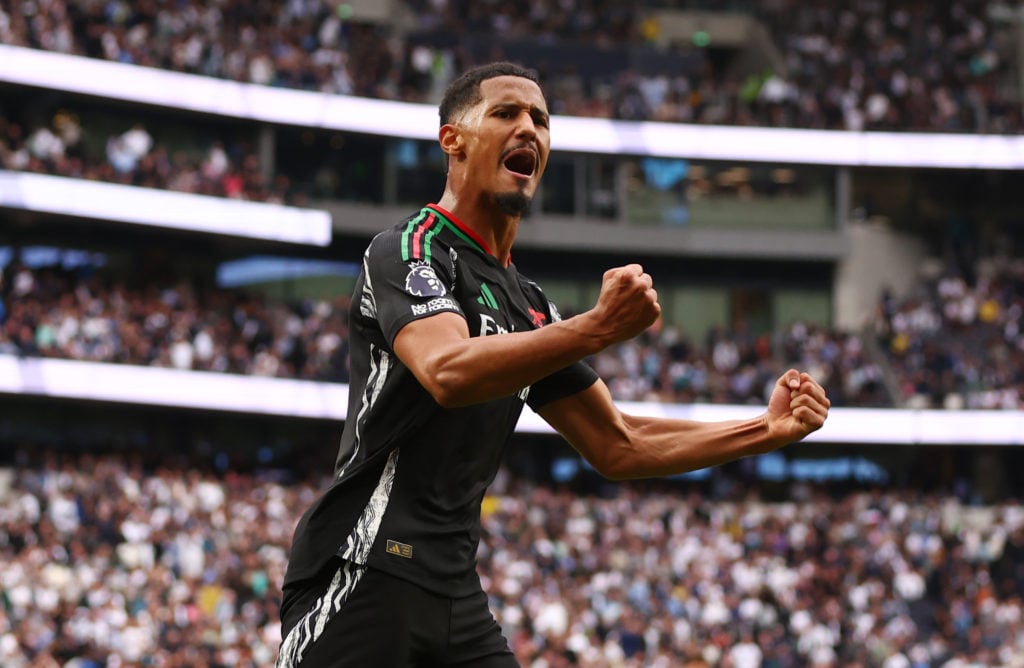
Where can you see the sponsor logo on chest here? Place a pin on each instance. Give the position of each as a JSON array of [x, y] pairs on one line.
[[489, 325]]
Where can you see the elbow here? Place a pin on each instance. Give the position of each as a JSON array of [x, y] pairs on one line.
[[444, 395], [616, 473], [615, 453], [447, 398], [447, 389], [615, 464]]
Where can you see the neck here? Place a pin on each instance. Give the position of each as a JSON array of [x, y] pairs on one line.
[[494, 227]]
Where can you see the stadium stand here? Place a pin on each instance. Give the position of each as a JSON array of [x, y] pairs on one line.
[[62, 147], [956, 341], [147, 558], [183, 326], [172, 325], [882, 66], [76, 314], [58, 144], [134, 533]]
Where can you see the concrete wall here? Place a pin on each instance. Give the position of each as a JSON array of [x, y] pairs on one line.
[[878, 257]]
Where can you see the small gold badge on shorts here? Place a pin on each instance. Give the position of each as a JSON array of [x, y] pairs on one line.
[[399, 549]]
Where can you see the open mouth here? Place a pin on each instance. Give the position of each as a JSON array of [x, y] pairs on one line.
[[521, 161]]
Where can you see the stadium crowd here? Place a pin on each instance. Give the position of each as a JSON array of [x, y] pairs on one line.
[[115, 560], [954, 342], [56, 313], [957, 341], [889, 66], [74, 314], [58, 146], [938, 343]]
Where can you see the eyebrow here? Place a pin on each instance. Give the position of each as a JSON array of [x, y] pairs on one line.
[[535, 111]]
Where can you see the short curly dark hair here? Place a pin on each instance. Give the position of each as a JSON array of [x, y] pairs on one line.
[[464, 91]]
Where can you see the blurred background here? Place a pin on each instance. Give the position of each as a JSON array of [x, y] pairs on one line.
[[186, 190]]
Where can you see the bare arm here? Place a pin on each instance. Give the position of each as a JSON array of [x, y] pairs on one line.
[[622, 446], [459, 370]]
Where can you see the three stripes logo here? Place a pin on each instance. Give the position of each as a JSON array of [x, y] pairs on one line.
[[416, 238], [487, 298], [398, 549]]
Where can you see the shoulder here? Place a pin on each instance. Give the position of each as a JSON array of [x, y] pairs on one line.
[[420, 238]]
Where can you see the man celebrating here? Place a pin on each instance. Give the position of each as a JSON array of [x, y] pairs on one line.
[[448, 341]]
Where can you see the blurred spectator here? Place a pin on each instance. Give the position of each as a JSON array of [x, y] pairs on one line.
[[124, 151]]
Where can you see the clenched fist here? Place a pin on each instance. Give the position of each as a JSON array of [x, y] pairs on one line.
[[797, 407], [627, 305]]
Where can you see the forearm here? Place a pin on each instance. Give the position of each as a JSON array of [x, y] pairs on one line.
[[459, 369], [471, 370], [653, 447], [624, 446]]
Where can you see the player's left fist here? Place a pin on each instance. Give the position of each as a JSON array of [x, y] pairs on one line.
[[798, 406]]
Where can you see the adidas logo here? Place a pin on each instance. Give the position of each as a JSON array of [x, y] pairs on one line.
[[487, 297], [398, 549]]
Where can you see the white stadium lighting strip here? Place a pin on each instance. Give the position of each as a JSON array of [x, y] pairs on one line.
[[588, 135], [123, 383], [153, 386], [163, 208], [177, 90]]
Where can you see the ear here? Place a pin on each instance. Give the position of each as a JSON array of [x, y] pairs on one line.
[[451, 140]]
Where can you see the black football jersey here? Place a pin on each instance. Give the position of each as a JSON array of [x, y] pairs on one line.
[[410, 475]]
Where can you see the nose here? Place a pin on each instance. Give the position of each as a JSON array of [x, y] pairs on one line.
[[525, 127]]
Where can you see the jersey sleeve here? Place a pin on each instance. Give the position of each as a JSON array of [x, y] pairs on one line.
[[570, 380], [406, 287]]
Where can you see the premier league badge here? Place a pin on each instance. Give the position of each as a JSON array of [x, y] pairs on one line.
[[423, 282]]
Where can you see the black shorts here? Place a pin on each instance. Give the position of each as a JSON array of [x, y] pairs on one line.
[[359, 617]]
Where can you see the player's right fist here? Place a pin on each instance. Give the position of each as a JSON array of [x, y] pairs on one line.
[[628, 303]]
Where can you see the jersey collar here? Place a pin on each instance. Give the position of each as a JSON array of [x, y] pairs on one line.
[[463, 230]]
